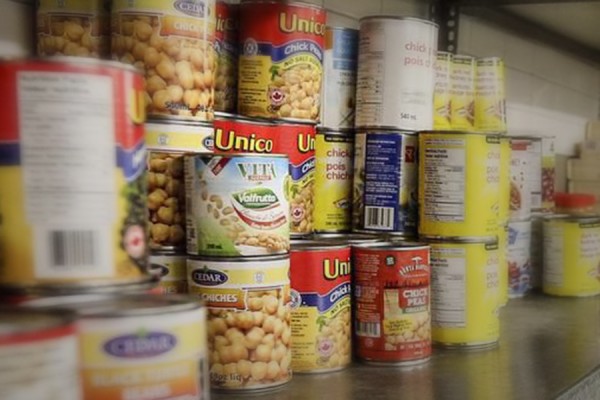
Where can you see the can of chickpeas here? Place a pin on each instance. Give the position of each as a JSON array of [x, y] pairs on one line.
[[442, 105], [521, 161], [321, 328], [334, 151], [171, 269], [519, 258], [237, 204], [281, 62], [173, 42], [358, 180], [226, 48], [73, 28], [74, 198], [392, 303], [249, 332], [175, 135]]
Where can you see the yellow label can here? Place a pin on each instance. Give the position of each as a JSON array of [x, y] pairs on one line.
[[504, 197], [334, 152], [571, 256], [168, 134], [490, 97], [503, 264], [442, 104], [462, 90]]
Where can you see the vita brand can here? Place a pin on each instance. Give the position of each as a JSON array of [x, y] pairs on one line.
[[442, 104]]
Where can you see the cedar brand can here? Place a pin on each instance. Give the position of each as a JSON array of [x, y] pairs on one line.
[[464, 286], [459, 184], [571, 256], [334, 151], [442, 105], [39, 357], [395, 80], [390, 183], [249, 332], [171, 268], [172, 134], [73, 166], [281, 63], [519, 258], [321, 324], [358, 180], [503, 271], [520, 182], [339, 78], [462, 90], [237, 204], [73, 28], [294, 139], [392, 303], [173, 42], [504, 197], [490, 97], [139, 346], [226, 48]]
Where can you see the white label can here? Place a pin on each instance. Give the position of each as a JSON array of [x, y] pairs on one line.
[[519, 258]]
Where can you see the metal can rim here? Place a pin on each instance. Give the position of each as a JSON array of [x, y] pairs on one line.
[[473, 133], [285, 2], [315, 245], [272, 257], [323, 130], [239, 155], [460, 239], [385, 128], [393, 245], [56, 318], [572, 218]]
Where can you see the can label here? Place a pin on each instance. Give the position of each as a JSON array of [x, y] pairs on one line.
[[358, 180], [226, 49], [237, 205], [296, 140], [172, 135], [462, 89], [171, 268], [520, 182], [73, 202], [145, 356], [505, 167], [490, 97], [339, 78], [392, 295], [172, 41], [442, 105], [571, 258], [459, 184], [391, 173], [503, 271], [536, 251], [464, 281], [73, 28], [548, 174], [249, 330], [333, 182], [321, 328], [519, 258], [281, 65]]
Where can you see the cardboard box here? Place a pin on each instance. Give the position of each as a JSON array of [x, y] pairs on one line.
[[593, 130], [589, 150], [583, 170]]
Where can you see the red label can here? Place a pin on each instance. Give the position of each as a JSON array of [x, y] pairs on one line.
[[392, 319]]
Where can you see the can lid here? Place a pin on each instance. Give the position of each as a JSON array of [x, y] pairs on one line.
[[590, 219], [383, 129], [392, 245], [19, 320], [459, 239], [574, 200], [308, 245], [335, 131]]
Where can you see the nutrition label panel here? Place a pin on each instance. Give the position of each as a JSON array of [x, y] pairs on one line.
[[448, 287], [444, 179], [553, 255], [371, 73]]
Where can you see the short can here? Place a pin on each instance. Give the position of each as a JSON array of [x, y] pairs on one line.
[[571, 256], [519, 258], [73, 165], [521, 163], [339, 78], [442, 105], [464, 285], [39, 355], [171, 269], [172, 134], [395, 80], [281, 62], [462, 90], [237, 204], [390, 182], [249, 333], [490, 95], [334, 152], [459, 184], [504, 196], [78, 28], [294, 139], [134, 346], [392, 293], [358, 180], [226, 49], [172, 41], [321, 324]]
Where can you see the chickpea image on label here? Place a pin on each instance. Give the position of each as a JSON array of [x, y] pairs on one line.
[[420, 330], [301, 207], [72, 35], [301, 90], [334, 341]]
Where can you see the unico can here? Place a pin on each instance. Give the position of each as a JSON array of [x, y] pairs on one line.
[[490, 97], [281, 63], [334, 151], [571, 256], [520, 181], [72, 165], [321, 324], [442, 105], [226, 49], [171, 269], [392, 303], [459, 184], [519, 258], [464, 286], [462, 89]]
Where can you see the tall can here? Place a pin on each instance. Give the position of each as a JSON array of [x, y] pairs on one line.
[[281, 62], [172, 41], [459, 184], [490, 95], [334, 151], [321, 325], [392, 323], [358, 180], [464, 286], [535, 172], [519, 258], [442, 99], [520, 180], [226, 49], [72, 160], [395, 80], [462, 89], [339, 78]]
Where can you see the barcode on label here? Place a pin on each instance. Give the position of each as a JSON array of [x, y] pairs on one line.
[[368, 329], [379, 217], [70, 249]]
